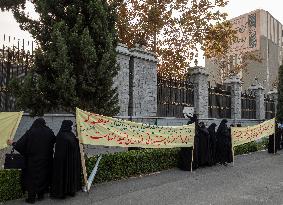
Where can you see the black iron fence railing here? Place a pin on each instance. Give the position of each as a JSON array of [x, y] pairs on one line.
[[219, 102], [16, 57], [172, 96], [248, 101]]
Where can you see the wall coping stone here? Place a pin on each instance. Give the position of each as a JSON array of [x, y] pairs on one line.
[[199, 70], [141, 53], [274, 91], [233, 80], [256, 87], [123, 49], [52, 115]]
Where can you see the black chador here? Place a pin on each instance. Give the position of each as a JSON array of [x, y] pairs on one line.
[[204, 155], [277, 141], [67, 163], [212, 137], [185, 154], [280, 136], [36, 145], [224, 144]]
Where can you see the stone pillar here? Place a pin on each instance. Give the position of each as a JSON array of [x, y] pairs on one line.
[[199, 78], [143, 82], [274, 95], [121, 81], [258, 91], [236, 95]]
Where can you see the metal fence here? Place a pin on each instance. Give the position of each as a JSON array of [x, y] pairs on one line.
[[15, 60], [172, 96], [219, 102], [248, 101], [269, 107]]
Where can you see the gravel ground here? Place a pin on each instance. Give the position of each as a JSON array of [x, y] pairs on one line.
[[254, 179]]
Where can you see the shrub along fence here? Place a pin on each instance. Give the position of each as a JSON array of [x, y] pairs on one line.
[[118, 166]]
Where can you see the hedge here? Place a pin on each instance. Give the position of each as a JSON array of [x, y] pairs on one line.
[[10, 187], [117, 166], [251, 147], [125, 164]]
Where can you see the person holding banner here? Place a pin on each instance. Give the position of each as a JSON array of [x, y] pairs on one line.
[[187, 153], [67, 163], [36, 145]]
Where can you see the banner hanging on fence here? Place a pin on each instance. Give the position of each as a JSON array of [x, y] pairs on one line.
[[95, 129], [9, 122], [242, 135]]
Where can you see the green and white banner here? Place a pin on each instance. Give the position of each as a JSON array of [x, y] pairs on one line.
[[242, 135], [96, 129]]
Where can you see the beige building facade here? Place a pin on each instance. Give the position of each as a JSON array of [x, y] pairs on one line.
[[257, 31]]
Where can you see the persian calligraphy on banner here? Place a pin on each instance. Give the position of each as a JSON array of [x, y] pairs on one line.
[[242, 135], [9, 122], [248, 33], [94, 129]]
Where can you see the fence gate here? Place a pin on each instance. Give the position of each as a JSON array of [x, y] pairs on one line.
[[248, 101], [219, 102], [172, 96]]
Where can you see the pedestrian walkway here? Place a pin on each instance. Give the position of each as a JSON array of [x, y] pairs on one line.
[[256, 179]]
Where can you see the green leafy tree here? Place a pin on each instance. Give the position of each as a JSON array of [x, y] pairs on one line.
[[75, 62], [280, 95]]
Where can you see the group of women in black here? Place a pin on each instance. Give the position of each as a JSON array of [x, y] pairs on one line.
[[211, 146], [48, 170]]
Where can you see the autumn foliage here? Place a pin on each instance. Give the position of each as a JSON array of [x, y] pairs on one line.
[[175, 30]]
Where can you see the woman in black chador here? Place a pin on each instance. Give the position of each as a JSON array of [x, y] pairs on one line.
[[36, 145], [204, 155], [224, 144], [277, 141], [67, 163], [185, 154], [212, 134]]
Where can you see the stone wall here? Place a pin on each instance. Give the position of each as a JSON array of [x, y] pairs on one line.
[[199, 78], [236, 92], [144, 83], [122, 79], [136, 81]]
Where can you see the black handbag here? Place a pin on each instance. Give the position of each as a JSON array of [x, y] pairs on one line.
[[14, 161]]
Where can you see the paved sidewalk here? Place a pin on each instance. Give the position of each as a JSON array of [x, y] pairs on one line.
[[256, 179]]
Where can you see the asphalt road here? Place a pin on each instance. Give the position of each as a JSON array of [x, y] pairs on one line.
[[255, 179]]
